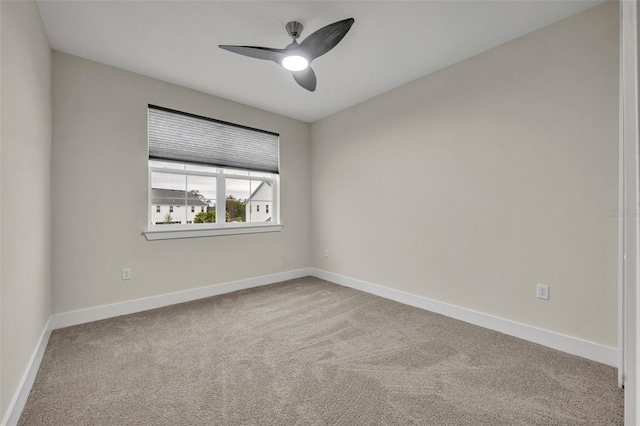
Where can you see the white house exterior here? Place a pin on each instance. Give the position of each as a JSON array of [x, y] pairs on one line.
[[259, 206], [182, 206]]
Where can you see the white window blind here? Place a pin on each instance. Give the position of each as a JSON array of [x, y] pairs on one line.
[[184, 137]]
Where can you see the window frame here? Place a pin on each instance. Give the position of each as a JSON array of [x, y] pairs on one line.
[[221, 227]]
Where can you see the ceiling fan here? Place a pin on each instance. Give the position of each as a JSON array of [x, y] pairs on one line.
[[296, 57]]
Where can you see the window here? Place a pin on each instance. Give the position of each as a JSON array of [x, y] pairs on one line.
[[257, 207], [266, 208], [157, 209], [220, 167]]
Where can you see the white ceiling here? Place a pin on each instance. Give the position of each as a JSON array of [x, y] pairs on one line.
[[391, 43]]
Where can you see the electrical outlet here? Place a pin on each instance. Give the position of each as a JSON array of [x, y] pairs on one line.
[[126, 274], [326, 252], [542, 291]]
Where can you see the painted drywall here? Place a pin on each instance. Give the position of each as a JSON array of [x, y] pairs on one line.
[[25, 178], [474, 183], [100, 160]]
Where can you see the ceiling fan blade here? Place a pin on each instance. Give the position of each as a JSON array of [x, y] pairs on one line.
[[265, 53], [326, 38], [305, 78]]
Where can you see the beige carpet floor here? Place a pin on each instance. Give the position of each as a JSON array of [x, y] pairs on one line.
[[308, 352]]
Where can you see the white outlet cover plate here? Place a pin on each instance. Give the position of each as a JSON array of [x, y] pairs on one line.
[[542, 291]]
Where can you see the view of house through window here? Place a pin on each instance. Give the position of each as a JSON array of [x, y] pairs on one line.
[[180, 197]]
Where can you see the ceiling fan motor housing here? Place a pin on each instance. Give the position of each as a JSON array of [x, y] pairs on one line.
[[294, 29]]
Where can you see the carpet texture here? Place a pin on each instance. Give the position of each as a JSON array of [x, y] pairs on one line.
[[308, 352]]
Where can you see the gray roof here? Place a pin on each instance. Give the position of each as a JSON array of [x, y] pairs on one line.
[[172, 197]]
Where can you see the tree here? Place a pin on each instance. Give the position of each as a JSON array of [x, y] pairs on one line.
[[236, 209], [168, 218], [235, 212], [205, 217]]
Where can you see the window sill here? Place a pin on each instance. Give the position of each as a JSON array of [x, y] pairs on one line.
[[174, 232]]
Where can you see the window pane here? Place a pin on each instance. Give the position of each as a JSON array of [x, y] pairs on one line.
[[168, 189], [238, 190], [248, 200], [260, 201], [201, 199]]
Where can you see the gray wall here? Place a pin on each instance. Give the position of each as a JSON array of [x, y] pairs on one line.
[[100, 162], [474, 183], [25, 213]]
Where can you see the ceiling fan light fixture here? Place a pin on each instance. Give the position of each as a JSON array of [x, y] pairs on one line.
[[295, 63]]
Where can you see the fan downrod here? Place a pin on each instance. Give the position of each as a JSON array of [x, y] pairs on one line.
[[294, 29]]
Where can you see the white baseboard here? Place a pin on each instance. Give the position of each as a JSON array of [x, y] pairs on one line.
[[97, 313], [585, 349], [26, 382]]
